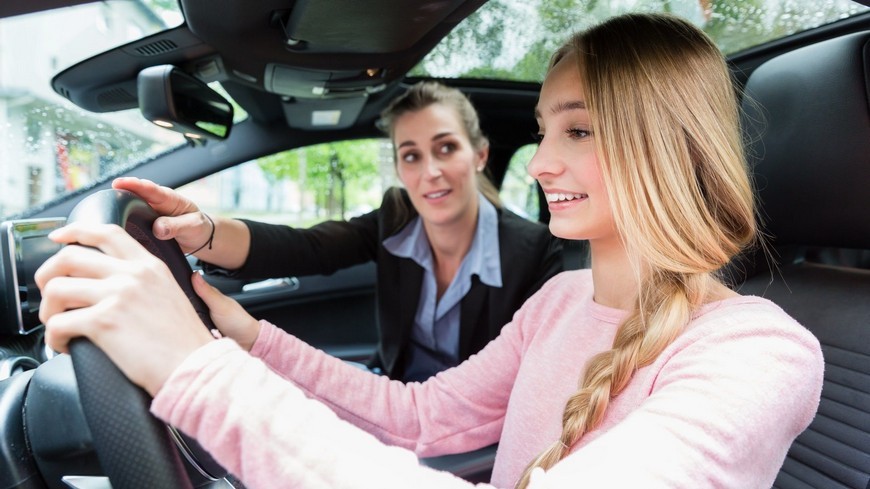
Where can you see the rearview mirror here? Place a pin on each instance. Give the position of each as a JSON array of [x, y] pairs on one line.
[[175, 100]]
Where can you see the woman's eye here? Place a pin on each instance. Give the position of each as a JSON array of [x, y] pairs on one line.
[[408, 157], [537, 137], [447, 148], [577, 133]]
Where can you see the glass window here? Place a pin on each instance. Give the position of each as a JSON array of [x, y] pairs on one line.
[[48, 146], [338, 180], [519, 191], [303, 186], [513, 39]]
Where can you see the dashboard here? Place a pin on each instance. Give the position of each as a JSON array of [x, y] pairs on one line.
[[24, 246]]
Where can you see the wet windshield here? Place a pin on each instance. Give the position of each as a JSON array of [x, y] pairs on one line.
[[512, 39], [49, 147]]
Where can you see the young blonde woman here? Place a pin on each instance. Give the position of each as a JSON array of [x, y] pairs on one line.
[[452, 264], [644, 371]]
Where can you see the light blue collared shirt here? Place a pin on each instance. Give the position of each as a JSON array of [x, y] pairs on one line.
[[435, 333]]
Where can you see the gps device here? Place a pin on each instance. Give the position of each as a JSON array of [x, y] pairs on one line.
[[24, 246]]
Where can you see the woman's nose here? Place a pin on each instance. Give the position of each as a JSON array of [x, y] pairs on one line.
[[542, 161], [433, 167]]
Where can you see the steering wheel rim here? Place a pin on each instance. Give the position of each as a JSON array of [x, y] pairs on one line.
[[134, 448]]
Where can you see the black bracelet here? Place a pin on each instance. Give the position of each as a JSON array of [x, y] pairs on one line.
[[210, 237]]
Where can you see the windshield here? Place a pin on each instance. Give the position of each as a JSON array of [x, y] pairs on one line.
[[49, 147], [512, 39]]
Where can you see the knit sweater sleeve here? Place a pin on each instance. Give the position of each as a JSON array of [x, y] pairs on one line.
[[457, 410], [265, 431]]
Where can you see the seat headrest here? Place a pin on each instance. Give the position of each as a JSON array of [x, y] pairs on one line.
[[809, 146]]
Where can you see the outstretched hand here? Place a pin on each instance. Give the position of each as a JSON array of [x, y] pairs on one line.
[[122, 298], [179, 217], [194, 231]]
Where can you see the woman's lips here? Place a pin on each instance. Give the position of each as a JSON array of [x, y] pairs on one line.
[[436, 195]]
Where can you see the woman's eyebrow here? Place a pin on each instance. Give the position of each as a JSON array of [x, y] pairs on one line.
[[563, 107], [441, 135], [434, 138]]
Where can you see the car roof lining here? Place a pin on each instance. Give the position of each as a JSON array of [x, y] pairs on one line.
[[11, 8], [319, 27]]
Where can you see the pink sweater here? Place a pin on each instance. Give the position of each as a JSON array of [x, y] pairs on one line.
[[718, 408]]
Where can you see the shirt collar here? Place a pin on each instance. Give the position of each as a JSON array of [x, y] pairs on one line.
[[483, 259]]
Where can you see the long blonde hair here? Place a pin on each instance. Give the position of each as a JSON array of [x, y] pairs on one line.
[[664, 113]]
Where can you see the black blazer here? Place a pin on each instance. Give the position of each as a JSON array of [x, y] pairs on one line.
[[529, 256]]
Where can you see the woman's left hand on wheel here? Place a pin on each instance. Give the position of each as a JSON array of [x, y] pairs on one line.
[[123, 298]]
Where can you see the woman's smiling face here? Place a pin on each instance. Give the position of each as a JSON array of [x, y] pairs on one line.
[[566, 163], [438, 165]]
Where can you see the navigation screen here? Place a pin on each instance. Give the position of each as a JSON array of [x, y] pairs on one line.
[[24, 248]]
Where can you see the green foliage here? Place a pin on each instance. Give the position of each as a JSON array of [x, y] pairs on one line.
[[733, 22], [331, 172], [157, 5], [519, 190], [513, 39], [477, 47], [478, 37]]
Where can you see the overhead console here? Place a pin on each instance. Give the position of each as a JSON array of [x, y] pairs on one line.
[[304, 83]]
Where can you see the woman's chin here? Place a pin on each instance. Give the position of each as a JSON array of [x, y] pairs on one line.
[[565, 230]]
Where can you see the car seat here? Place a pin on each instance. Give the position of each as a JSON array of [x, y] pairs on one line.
[[807, 120]]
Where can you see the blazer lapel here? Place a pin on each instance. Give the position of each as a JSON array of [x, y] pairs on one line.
[[470, 315], [410, 284]]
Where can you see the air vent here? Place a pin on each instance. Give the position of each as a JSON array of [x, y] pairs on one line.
[[158, 47], [115, 99], [64, 92]]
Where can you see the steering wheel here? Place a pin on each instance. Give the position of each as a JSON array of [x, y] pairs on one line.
[[134, 448]]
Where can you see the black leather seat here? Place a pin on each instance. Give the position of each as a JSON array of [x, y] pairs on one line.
[[810, 150]]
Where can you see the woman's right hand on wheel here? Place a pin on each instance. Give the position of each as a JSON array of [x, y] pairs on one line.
[[228, 316], [180, 217]]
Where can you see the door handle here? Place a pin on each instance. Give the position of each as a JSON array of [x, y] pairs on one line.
[[286, 284]]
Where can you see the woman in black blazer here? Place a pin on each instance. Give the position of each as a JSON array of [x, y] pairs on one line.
[[453, 265], [529, 255]]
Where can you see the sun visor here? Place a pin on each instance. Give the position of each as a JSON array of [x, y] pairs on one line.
[[336, 113]]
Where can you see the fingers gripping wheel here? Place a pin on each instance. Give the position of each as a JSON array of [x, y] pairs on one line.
[[134, 448]]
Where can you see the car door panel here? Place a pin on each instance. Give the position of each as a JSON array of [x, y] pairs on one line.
[[335, 313]]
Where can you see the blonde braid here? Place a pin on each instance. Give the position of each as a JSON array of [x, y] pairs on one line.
[[666, 304]]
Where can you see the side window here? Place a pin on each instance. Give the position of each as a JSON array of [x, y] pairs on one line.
[[519, 191], [303, 186]]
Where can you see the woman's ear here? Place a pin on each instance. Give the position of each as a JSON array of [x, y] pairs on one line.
[[482, 158]]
